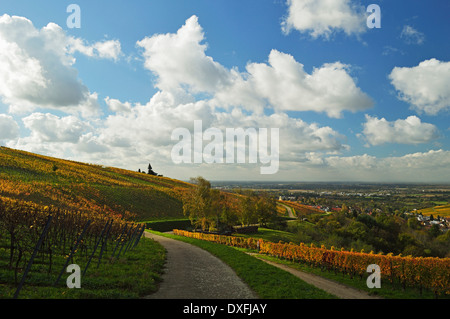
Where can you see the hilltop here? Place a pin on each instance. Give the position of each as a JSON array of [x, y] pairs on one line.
[[80, 186]]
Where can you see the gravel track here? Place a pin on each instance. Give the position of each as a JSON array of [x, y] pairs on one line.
[[193, 273]]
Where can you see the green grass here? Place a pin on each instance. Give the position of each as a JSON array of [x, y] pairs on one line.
[[267, 281], [133, 275]]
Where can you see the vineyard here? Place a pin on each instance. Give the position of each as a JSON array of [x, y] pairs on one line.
[[55, 212], [419, 272], [90, 188], [300, 209], [441, 210], [29, 231]]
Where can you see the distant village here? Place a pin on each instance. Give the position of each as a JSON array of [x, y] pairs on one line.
[[425, 220]]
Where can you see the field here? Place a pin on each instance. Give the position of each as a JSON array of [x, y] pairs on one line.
[[441, 210]]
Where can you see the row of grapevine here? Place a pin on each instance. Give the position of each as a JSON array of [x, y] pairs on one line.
[[422, 272], [69, 234]]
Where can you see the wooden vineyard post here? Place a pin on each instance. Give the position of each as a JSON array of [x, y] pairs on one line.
[[73, 251], [104, 244], [123, 244], [139, 236], [130, 241], [95, 248], [118, 242], [30, 262]]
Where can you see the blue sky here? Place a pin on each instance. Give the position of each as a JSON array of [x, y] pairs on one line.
[[351, 103]]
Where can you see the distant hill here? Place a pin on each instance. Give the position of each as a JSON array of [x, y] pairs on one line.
[[87, 187]]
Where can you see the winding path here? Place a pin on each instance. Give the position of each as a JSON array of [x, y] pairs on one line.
[[289, 210], [193, 273]]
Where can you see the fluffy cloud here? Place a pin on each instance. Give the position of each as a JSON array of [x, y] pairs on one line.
[[9, 129], [425, 86], [36, 67], [285, 85], [51, 128], [117, 106], [323, 17], [232, 100], [180, 63], [296, 136], [65, 137], [149, 126], [145, 130], [179, 59], [409, 131]]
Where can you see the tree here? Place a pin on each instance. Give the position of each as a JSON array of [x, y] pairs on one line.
[[413, 223], [266, 209], [199, 204], [434, 230], [247, 211]]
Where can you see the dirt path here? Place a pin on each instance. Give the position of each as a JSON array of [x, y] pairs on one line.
[[339, 290], [289, 210], [193, 273]]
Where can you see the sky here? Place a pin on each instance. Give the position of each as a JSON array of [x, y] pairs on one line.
[[340, 97]]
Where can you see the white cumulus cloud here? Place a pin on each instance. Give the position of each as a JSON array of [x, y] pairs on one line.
[[425, 86], [408, 131], [51, 128], [321, 18], [36, 67], [286, 86], [180, 63], [179, 59]]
